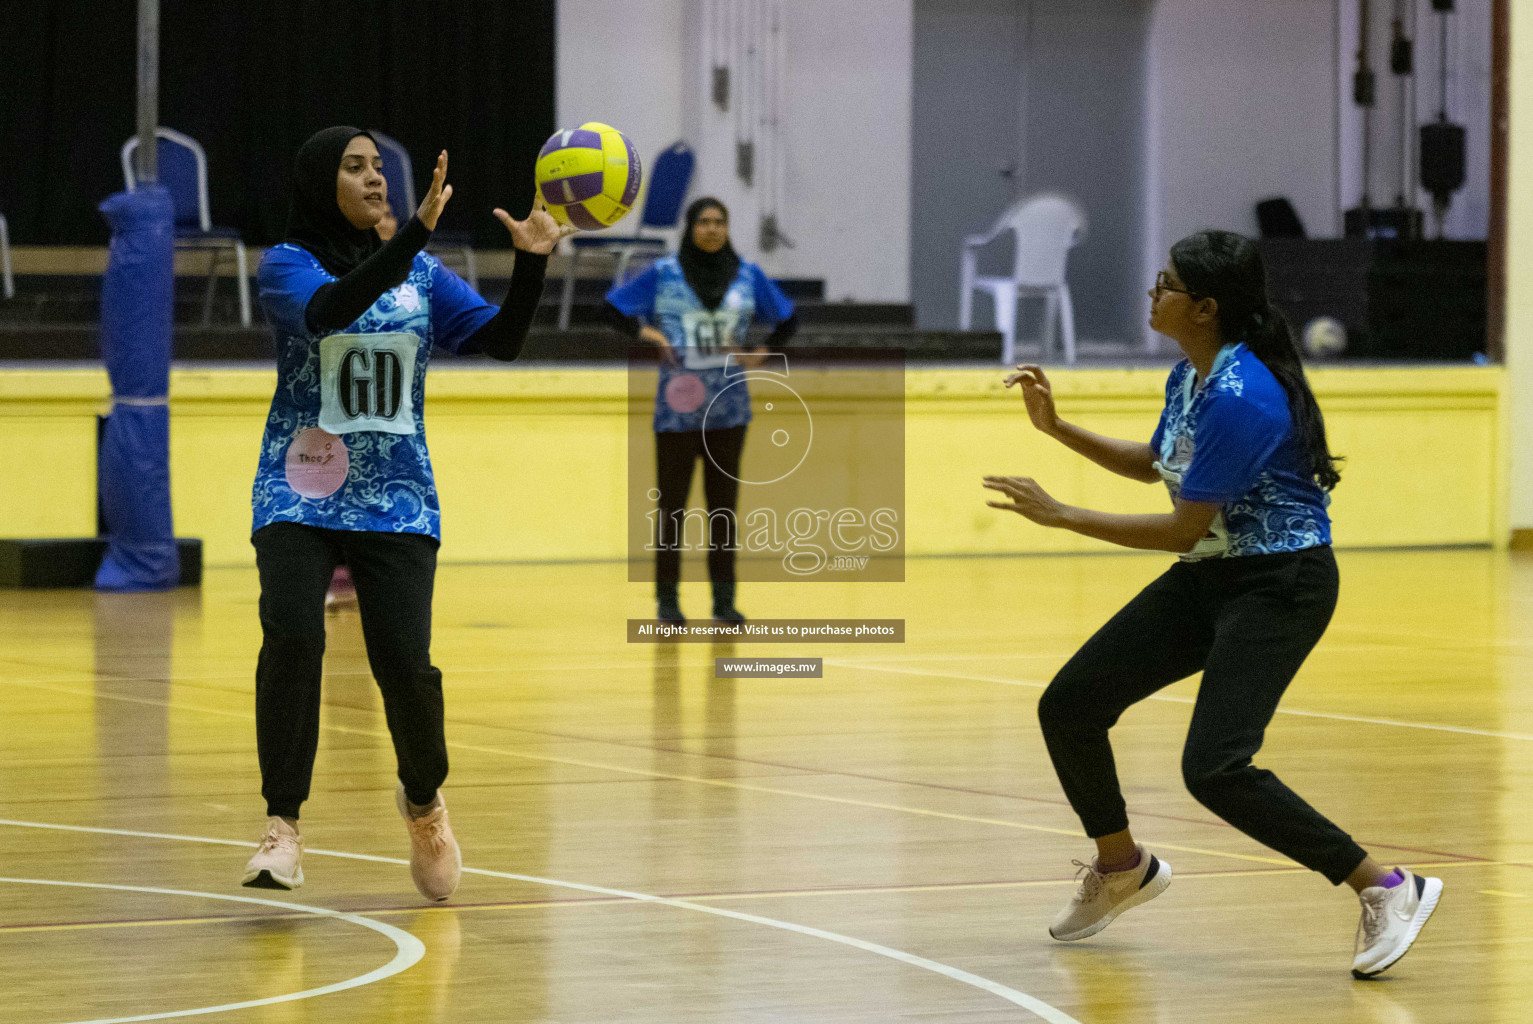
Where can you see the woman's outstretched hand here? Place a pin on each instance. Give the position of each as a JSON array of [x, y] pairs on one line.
[[1027, 499], [539, 233], [1038, 394], [431, 206]]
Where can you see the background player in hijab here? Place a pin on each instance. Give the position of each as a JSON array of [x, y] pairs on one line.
[[1241, 445], [344, 476], [697, 307]]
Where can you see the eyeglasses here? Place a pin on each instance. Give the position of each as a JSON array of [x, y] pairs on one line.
[[1163, 284]]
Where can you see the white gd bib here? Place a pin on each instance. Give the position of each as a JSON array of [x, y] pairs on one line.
[[1217, 542], [709, 335], [366, 382]]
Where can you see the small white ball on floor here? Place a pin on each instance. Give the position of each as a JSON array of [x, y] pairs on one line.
[[1325, 337]]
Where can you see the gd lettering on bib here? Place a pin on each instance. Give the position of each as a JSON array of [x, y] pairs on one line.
[[366, 382], [708, 337]]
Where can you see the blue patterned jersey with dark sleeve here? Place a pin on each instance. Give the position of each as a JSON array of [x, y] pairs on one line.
[[345, 442], [1231, 441], [701, 337]]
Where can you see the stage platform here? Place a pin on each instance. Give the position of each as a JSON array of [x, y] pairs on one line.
[[54, 318]]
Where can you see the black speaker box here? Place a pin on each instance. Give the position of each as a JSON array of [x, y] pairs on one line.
[[1442, 158], [72, 562]]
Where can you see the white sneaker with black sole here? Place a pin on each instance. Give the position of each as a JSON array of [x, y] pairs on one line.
[[1392, 918], [278, 861], [1102, 897]]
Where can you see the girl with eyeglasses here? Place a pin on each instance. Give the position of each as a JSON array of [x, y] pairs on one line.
[[1241, 446]]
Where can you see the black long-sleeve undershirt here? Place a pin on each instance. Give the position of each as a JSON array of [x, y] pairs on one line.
[[504, 334], [783, 332], [337, 304], [630, 326]]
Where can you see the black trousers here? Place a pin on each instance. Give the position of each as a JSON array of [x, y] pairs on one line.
[[393, 574], [675, 454], [1248, 624]]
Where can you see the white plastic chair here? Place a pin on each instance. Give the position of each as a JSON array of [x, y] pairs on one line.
[[184, 173], [1047, 226]]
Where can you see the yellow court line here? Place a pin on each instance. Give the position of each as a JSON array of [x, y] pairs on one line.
[[1166, 698], [845, 801], [694, 779], [697, 898], [1291, 869], [79, 926]]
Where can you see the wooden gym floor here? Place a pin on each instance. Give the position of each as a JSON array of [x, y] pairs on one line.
[[647, 843]]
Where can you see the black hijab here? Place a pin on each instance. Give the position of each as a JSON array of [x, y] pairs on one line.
[[708, 273], [314, 218]]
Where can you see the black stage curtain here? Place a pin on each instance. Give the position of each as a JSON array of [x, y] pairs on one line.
[[251, 80]]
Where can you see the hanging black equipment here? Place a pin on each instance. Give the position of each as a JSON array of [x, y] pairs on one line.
[[1442, 142]]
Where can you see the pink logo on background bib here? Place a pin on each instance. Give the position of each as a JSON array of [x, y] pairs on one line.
[[685, 392], [317, 463]]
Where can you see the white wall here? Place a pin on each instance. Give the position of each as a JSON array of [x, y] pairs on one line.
[[619, 61], [845, 125], [1468, 104], [1241, 107], [1243, 100], [1015, 97], [1519, 284]]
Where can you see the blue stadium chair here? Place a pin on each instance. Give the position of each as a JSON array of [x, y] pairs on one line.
[[668, 182], [183, 169], [399, 173]]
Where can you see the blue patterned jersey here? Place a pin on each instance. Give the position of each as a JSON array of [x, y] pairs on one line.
[[345, 443], [708, 391], [1231, 440]]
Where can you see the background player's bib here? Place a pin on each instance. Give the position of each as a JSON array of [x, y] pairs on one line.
[[365, 382], [708, 337]]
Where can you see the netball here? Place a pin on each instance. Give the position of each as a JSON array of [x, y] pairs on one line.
[[589, 176]]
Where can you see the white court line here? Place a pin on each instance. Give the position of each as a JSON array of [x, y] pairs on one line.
[[1433, 726], [1037, 1007], [409, 949], [246, 677]]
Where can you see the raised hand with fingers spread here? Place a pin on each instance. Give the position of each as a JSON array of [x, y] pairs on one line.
[[1038, 394], [437, 195], [539, 233]]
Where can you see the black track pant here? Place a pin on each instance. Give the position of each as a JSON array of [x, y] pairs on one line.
[[393, 574], [675, 454], [1248, 624]]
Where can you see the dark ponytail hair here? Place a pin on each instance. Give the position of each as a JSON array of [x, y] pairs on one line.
[[1228, 268]]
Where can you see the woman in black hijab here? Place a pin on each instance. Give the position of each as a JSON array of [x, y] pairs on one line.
[[711, 270], [697, 307], [344, 475]]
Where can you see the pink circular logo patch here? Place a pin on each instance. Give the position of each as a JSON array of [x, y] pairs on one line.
[[317, 463], [685, 392]]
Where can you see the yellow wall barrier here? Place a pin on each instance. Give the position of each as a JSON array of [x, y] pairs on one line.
[[531, 463]]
